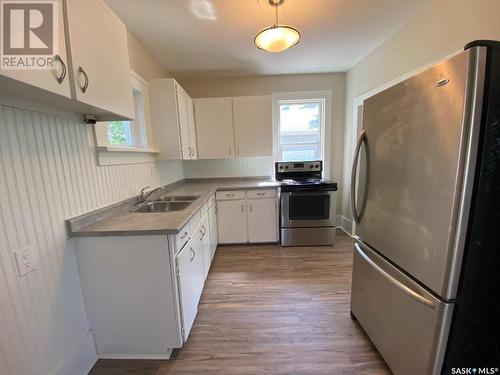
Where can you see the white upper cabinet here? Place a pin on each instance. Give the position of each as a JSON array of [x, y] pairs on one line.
[[172, 120], [214, 128], [55, 80], [191, 127], [253, 126], [234, 127], [100, 58]]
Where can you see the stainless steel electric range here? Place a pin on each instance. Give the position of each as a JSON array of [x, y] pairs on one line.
[[307, 204]]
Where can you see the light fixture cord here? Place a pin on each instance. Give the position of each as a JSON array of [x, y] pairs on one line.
[[276, 22]]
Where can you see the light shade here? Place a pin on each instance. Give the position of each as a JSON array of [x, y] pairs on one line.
[[277, 38]]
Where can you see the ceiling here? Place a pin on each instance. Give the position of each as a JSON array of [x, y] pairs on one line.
[[200, 38]]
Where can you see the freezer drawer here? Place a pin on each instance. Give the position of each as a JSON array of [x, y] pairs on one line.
[[407, 324]]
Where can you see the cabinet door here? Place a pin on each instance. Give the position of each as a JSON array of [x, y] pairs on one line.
[[214, 128], [214, 235], [48, 79], [191, 127], [182, 119], [232, 220], [253, 130], [204, 233], [189, 263], [100, 59], [262, 220]]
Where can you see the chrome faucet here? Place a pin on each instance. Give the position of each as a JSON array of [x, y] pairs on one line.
[[143, 196]]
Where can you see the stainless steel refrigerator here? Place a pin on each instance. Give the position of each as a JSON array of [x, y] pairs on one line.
[[426, 202]]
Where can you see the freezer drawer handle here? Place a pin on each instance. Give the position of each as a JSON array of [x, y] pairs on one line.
[[396, 283], [354, 174]]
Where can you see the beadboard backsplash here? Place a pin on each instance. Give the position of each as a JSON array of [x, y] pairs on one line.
[[241, 167], [48, 173]]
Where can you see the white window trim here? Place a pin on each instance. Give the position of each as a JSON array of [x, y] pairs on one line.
[[326, 125], [140, 151]]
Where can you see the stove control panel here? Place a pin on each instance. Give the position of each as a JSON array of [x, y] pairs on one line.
[[303, 166], [298, 169]]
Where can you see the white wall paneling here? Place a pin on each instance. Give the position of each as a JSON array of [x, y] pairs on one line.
[[48, 173], [240, 167]]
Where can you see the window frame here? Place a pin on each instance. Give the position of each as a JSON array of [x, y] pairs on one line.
[[141, 150], [325, 96]]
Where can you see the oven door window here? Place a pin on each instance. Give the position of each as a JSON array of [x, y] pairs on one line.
[[309, 207]]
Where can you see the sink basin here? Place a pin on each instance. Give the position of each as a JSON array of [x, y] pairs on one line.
[[179, 198], [161, 207]]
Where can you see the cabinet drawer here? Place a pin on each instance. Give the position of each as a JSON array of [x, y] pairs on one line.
[[230, 195], [182, 237], [258, 194], [195, 220]]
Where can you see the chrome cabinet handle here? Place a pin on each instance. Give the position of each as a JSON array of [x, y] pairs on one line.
[[60, 78], [395, 282], [229, 195], [355, 214], [242, 207], [250, 207], [192, 252], [261, 194], [204, 229], [86, 82], [184, 235]]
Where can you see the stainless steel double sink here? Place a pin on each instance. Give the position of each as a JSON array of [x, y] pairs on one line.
[[166, 204]]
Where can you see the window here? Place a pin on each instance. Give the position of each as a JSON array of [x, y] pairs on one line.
[[119, 133], [301, 128], [129, 133]]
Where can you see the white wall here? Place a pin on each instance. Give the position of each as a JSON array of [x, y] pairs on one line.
[[48, 173], [262, 166], [266, 85], [440, 29]]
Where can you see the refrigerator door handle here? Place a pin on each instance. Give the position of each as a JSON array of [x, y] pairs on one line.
[[395, 282], [354, 174]]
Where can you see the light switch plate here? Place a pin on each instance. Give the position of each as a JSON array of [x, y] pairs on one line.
[[25, 261]]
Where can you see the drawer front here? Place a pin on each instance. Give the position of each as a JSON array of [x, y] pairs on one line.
[[195, 221], [259, 194], [230, 195], [182, 237], [408, 325]]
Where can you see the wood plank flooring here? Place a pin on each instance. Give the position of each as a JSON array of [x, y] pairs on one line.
[[271, 310]]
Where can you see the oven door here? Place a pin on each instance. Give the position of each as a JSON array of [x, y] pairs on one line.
[[308, 209]]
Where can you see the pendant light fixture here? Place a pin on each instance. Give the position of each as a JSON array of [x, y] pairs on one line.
[[277, 38]]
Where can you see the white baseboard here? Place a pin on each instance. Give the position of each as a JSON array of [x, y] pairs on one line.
[[80, 359], [345, 224], [137, 356]]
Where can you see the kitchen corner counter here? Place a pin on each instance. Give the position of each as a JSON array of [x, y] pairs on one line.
[[116, 220]]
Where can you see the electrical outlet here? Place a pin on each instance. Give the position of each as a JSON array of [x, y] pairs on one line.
[[25, 261]]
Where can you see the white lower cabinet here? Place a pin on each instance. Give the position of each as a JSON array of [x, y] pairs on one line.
[[250, 216], [262, 220], [190, 277], [205, 243], [214, 234], [232, 220]]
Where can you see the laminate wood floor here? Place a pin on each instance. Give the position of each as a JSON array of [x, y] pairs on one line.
[[271, 310]]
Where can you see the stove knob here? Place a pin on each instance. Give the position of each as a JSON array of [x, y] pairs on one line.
[[281, 167], [286, 167], [311, 166], [317, 165]]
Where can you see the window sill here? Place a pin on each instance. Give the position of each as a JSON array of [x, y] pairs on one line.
[[121, 155], [115, 148]]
